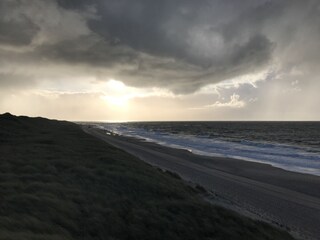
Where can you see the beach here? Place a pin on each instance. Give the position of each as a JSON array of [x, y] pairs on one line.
[[289, 200], [159, 120], [58, 182]]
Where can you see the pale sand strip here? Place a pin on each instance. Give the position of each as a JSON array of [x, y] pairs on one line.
[[281, 197]]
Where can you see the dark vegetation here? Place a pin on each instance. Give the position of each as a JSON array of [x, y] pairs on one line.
[[57, 182]]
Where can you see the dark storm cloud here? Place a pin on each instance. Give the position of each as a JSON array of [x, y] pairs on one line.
[[139, 24], [162, 28], [15, 28], [181, 45], [9, 81], [166, 30], [89, 50], [17, 33], [247, 58]]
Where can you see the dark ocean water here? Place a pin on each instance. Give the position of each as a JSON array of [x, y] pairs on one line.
[[289, 145]]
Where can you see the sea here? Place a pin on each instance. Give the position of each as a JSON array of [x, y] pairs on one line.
[[293, 146]]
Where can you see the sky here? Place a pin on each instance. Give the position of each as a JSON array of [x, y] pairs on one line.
[[151, 60]]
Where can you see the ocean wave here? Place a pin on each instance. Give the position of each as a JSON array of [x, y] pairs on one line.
[[288, 157]]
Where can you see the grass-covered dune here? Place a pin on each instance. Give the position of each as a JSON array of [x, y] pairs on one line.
[[57, 182]]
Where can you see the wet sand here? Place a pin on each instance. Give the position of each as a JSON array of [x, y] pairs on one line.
[[286, 199]]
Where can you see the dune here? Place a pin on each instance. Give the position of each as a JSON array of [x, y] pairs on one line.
[[58, 182]]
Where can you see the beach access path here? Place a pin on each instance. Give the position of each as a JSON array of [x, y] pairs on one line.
[[286, 199]]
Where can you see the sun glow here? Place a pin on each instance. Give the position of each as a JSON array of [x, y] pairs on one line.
[[116, 94], [116, 85], [121, 101]]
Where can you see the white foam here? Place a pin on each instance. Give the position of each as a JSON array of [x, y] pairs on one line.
[[288, 157]]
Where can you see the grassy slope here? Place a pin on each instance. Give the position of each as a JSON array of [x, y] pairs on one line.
[[56, 182]]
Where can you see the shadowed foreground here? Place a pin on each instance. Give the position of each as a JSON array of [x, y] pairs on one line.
[[58, 182]]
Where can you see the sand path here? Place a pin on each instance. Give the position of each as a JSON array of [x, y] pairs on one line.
[[287, 199]]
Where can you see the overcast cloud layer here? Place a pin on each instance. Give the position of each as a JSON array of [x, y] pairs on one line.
[[218, 59]]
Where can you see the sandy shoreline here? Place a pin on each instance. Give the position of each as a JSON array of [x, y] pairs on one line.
[[287, 199]]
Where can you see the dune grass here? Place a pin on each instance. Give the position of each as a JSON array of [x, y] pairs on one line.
[[57, 182]]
